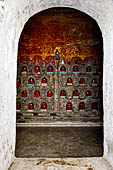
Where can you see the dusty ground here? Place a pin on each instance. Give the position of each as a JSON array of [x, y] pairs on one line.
[[58, 142], [60, 164]]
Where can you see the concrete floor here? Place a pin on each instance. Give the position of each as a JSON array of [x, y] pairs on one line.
[[59, 142], [60, 164]]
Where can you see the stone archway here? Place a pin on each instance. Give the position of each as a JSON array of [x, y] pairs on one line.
[[60, 59], [11, 27]]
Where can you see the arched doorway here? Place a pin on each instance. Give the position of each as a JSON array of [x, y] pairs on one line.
[[60, 70]]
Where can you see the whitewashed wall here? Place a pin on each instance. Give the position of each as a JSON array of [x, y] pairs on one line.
[[13, 16]]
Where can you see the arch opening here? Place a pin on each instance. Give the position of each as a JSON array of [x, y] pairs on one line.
[[60, 50]]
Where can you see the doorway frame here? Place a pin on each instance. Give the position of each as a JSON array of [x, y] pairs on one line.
[[15, 17]]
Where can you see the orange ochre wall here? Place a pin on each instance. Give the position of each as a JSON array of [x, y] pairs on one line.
[[72, 32]]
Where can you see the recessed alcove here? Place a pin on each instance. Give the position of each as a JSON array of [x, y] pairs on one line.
[[68, 43]]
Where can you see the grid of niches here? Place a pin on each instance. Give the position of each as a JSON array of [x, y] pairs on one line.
[[35, 87], [79, 85]]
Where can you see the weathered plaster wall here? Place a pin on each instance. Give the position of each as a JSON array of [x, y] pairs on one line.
[[13, 16]]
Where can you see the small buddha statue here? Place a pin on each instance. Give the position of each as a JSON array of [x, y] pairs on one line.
[[49, 93], [82, 81], [62, 69], [44, 106], [44, 81], [75, 94], [24, 69], [62, 93], [31, 81], [24, 94], [75, 69], [88, 93], [18, 82], [88, 69], [94, 81], [37, 70], [69, 81], [37, 93], [18, 106], [49, 69], [30, 106], [69, 107], [82, 106]]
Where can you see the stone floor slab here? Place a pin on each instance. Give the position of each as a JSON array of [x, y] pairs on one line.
[[60, 164]]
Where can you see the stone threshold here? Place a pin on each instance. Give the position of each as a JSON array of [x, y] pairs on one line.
[[60, 124], [99, 163]]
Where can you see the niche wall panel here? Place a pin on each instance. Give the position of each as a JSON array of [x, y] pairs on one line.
[[59, 74]]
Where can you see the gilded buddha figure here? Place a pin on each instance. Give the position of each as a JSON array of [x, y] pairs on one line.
[[31, 81]]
